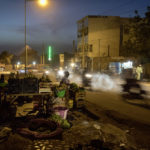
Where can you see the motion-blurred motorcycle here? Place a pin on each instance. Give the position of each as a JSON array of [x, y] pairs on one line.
[[86, 79], [133, 89]]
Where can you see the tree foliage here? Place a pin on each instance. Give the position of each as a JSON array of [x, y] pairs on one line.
[[32, 55], [138, 44], [5, 57]]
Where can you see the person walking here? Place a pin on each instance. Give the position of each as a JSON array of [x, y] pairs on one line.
[[139, 72]]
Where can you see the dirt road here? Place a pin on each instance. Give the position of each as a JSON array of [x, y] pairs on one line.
[[134, 109]]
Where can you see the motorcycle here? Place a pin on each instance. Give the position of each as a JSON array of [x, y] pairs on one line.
[[133, 89], [86, 80]]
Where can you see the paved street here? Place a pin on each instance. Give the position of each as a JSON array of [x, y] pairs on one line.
[[113, 101]]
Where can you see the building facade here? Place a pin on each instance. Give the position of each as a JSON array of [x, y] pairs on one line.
[[99, 41]]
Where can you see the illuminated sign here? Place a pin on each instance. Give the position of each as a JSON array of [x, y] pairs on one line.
[[49, 53]]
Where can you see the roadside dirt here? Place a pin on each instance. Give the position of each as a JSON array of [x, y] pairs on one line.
[[92, 128], [139, 133]]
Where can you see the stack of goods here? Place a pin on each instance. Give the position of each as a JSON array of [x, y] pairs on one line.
[[72, 90], [80, 98], [14, 85], [77, 94], [59, 102], [45, 84], [30, 85]]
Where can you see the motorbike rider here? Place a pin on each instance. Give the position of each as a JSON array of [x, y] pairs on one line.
[[84, 79]]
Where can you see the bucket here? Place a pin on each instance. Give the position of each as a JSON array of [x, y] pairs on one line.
[[61, 111]]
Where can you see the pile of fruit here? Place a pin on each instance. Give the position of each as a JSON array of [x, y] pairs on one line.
[[62, 122]]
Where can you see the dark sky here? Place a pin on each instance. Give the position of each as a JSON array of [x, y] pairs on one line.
[[56, 23]]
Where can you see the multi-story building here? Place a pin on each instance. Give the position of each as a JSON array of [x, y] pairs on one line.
[[99, 40]]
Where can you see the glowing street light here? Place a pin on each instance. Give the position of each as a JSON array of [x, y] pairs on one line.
[[72, 65], [34, 63], [43, 2], [18, 63]]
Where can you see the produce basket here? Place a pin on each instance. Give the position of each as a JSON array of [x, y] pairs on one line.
[[61, 111]]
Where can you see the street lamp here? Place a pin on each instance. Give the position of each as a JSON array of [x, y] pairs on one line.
[[72, 65], [34, 63], [18, 63], [42, 3]]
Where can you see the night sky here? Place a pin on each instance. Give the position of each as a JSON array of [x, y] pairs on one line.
[[55, 24]]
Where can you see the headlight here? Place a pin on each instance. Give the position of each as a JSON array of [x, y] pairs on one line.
[[88, 75], [61, 73], [22, 71], [47, 72]]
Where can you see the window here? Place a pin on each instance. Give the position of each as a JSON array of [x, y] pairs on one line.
[[90, 48], [86, 31], [86, 47]]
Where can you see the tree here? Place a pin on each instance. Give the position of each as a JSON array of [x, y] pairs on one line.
[[5, 57], [138, 44], [32, 55]]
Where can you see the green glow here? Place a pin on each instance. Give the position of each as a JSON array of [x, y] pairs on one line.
[[49, 53]]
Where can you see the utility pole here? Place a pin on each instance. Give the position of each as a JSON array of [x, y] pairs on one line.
[[43, 54], [73, 48], [108, 50], [25, 34], [92, 64], [83, 52], [74, 51], [25, 38], [99, 40]]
